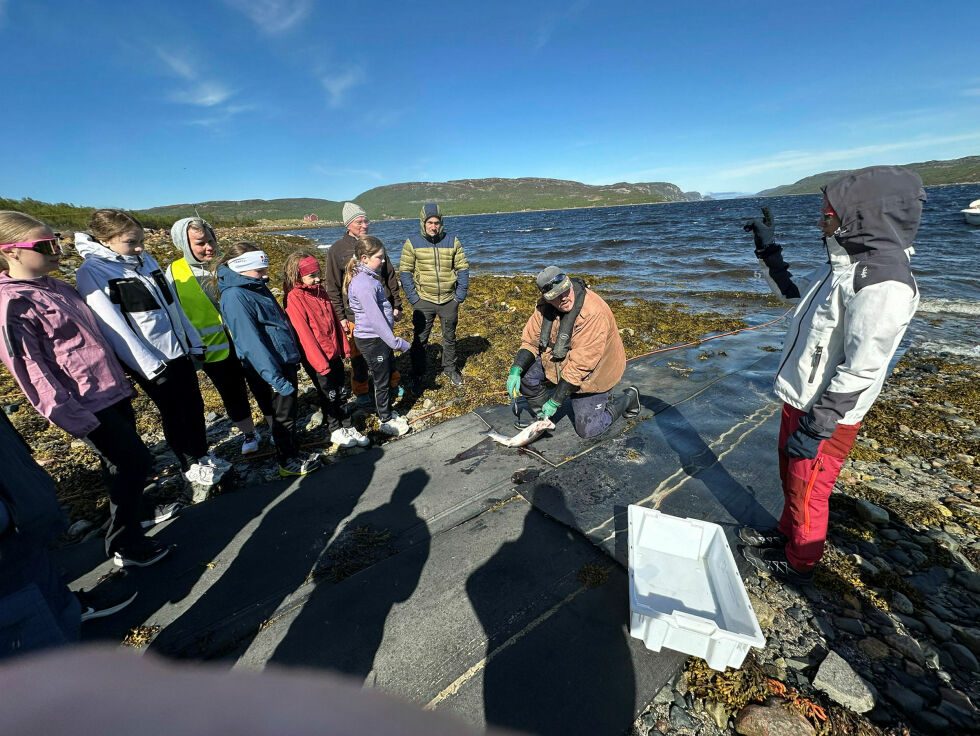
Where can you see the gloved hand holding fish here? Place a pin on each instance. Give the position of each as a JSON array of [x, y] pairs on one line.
[[526, 436]]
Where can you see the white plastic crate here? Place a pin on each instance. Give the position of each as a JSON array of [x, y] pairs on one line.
[[685, 591]]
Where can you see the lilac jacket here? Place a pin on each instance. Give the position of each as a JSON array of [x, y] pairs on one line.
[[373, 313], [55, 350]]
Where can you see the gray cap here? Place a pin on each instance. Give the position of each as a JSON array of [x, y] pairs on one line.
[[552, 282], [351, 212]]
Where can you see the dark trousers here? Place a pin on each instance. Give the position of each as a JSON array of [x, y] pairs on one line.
[[380, 361], [330, 387], [230, 377], [359, 369], [423, 318], [177, 395], [126, 463], [591, 416], [284, 411]]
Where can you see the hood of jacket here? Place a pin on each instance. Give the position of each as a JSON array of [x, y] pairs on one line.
[[89, 247], [427, 211], [879, 208], [178, 234]]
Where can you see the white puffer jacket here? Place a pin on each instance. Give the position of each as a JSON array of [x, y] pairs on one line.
[[853, 310]]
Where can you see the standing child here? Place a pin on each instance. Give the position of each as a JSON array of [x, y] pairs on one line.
[[374, 320], [322, 342], [150, 333], [53, 347], [265, 341]]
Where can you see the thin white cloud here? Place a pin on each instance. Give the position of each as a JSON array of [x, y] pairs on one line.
[[222, 116], [822, 160], [339, 83], [273, 16], [196, 91]]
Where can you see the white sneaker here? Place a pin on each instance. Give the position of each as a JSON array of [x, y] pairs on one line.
[[251, 443], [201, 474], [340, 438], [359, 439], [396, 426], [218, 463]]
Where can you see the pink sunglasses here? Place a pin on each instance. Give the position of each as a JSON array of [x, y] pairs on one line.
[[44, 246]]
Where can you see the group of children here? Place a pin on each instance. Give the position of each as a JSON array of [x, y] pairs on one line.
[[71, 350]]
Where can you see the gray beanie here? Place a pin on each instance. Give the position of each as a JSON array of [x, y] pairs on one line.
[[351, 212]]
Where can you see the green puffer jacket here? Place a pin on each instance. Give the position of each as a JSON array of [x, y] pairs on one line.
[[433, 271]]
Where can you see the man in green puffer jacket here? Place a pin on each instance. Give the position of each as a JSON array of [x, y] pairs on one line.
[[435, 276]]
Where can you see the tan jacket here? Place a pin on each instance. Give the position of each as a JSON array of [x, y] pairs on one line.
[[596, 359]]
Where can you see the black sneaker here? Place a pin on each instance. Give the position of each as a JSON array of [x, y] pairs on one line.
[[160, 513], [762, 538], [773, 562], [111, 594], [633, 403], [141, 554], [455, 377]]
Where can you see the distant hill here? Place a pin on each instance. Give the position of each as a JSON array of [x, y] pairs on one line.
[[460, 197], [954, 171], [68, 217], [249, 210]]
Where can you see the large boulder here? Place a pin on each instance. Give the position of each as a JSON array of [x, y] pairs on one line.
[[771, 719]]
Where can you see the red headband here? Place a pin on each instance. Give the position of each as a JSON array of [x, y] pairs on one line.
[[827, 209], [308, 265]]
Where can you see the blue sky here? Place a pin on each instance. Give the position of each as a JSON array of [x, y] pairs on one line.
[[147, 103]]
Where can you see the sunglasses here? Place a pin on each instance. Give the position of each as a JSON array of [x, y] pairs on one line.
[[553, 283], [44, 246]]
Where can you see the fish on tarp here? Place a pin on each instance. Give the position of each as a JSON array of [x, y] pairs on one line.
[[526, 436]]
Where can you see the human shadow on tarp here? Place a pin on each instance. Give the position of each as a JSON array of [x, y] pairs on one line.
[[697, 459], [273, 561], [552, 671], [365, 571]]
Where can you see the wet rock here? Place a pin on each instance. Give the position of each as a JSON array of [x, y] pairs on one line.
[[962, 656], [849, 625], [929, 582], [902, 604], [870, 513], [80, 527], [771, 719], [969, 637], [763, 611], [930, 722], [905, 699], [844, 686], [907, 647], [874, 649], [679, 718], [939, 629], [969, 580]]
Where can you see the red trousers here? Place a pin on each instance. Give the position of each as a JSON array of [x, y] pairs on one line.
[[807, 485]]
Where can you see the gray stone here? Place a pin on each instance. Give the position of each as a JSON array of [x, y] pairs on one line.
[[958, 717], [850, 625], [902, 604], [969, 580], [844, 686], [679, 718], [870, 513], [941, 611], [912, 624], [929, 721], [929, 582], [210, 417], [890, 534], [969, 637], [79, 527], [962, 656], [905, 699], [771, 719], [718, 713], [864, 565], [763, 611], [825, 627], [874, 649], [939, 629], [907, 647], [900, 557], [664, 695]]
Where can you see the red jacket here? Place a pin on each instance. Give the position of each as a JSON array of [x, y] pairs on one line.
[[320, 335]]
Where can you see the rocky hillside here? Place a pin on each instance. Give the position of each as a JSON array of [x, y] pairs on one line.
[[459, 197], [954, 171]]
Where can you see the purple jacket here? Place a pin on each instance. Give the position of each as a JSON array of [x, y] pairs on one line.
[[373, 313], [55, 350]]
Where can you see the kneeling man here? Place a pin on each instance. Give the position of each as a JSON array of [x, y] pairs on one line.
[[571, 344]]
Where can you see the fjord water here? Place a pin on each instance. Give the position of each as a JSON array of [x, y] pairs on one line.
[[694, 252]]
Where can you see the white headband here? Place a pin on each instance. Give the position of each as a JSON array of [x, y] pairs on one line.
[[247, 261]]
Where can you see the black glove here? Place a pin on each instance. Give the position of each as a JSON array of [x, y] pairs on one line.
[[763, 231], [805, 441]]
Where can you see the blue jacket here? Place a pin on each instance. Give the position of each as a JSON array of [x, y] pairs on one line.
[[258, 326]]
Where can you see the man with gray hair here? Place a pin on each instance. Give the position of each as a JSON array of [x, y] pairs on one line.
[[571, 343]]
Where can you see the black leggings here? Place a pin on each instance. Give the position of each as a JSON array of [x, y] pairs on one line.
[[330, 387], [229, 377], [177, 395], [126, 463], [284, 411], [380, 362]]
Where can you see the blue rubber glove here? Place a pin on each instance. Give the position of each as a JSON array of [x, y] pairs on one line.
[[514, 381], [549, 409]]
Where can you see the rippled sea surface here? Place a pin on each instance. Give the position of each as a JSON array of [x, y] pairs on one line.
[[691, 251]]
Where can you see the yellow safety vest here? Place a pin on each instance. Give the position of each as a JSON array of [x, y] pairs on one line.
[[201, 312]]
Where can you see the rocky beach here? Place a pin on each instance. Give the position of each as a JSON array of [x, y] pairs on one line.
[[885, 642]]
